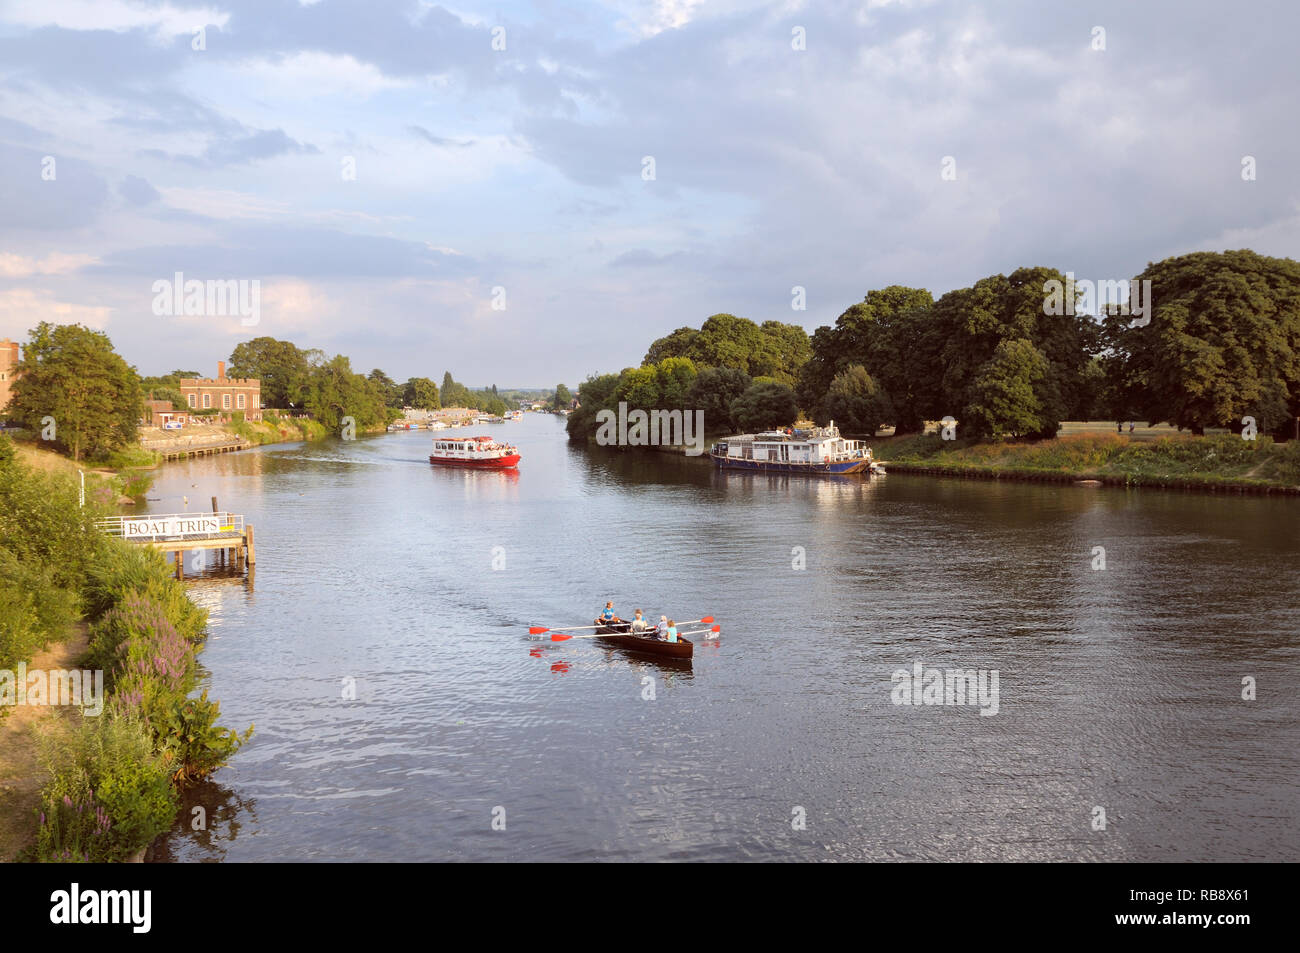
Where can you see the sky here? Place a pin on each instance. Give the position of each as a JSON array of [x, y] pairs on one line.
[[525, 193]]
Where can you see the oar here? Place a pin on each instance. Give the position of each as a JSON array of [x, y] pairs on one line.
[[540, 629]]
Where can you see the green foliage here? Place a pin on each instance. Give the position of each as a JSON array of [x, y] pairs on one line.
[[1222, 342], [774, 350], [110, 792], [1002, 399], [858, 404], [713, 391], [332, 392], [72, 374], [193, 744], [420, 392], [281, 367], [562, 397], [765, 404]]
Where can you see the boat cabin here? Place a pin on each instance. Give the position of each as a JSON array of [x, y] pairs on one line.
[[822, 445]]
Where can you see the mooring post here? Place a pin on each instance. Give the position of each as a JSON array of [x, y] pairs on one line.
[[251, 553]]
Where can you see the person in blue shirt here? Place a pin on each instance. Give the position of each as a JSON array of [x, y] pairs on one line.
[[671, 634], [608, 617]]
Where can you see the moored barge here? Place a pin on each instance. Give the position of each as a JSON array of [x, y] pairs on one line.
[[820, 450]]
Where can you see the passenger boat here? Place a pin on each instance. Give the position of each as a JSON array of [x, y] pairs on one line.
[[483, 452], [620, 634], [820, 450]]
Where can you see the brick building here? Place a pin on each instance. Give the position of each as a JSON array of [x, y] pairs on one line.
[[226, 395], [8, 361]]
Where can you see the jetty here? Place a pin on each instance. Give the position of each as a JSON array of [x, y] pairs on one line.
[[180, 533]]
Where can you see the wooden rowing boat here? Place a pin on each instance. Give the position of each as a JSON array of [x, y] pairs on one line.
[[621, 635]]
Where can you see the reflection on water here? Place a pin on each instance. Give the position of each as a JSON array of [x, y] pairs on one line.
[[414, 585]]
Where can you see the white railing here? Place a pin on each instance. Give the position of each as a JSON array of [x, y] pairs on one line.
[[154, 527]]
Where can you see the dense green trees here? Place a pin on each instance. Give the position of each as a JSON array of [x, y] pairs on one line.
[[856, 402], [74, 391], [563, 397], [281, 366], [773, 350], [1223, 342], [763, 405], [332, 391], [422, 393]]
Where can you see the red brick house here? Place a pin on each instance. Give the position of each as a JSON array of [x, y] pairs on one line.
[[225, 395]]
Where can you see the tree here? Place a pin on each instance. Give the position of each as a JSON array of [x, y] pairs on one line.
[[890, 332], [677, 344], [1003, 398], [391, 390], [1222, 341], [765, 404], [857, 402], [713, 391], [595, 394], [562, 398], [495, 406], [673, 378], [280, 366], [422, 393], [72, 375], [639, 386]]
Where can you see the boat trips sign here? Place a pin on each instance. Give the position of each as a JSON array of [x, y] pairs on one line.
[[167, 526]]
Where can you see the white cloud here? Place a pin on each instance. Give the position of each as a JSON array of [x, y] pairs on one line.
[[23, 308], [116, 15], [310, 74], [55, 263]]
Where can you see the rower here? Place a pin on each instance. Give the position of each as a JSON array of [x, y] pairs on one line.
[[608, 617], [671, 634], [661, 630], [639, 624]]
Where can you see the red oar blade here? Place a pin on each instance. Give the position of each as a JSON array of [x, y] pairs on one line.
[[537, 629], [717, 628], [558, 637], [707, 619]]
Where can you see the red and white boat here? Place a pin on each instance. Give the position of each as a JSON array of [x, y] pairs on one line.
[[482, 452]]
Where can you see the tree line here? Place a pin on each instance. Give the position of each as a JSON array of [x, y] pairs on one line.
[[1218, 341], [80, 396]]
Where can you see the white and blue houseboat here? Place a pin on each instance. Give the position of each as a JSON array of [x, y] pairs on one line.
[[821, 450]]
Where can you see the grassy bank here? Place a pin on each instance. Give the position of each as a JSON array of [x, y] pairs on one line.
[[1223, 460], [109, 779], [274, 428]]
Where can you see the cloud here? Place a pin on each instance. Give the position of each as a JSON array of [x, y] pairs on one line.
[[23, 308], [55, 263], [426, 135], [238, 150], [137, 191]]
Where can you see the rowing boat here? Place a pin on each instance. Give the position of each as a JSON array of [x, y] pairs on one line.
[[621, 635]]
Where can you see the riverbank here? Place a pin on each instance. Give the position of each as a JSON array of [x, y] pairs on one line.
[[1222, 463], [102, 731]]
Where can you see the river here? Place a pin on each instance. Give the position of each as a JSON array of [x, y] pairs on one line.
[[1119, 689]]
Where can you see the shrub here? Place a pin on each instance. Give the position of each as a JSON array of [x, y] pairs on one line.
[[192, 742], [110, 793]]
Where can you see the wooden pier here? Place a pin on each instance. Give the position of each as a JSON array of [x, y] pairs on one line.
[[181, 533], [202, 451]]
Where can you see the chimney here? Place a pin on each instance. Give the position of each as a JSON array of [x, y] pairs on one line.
[[221, 370]]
